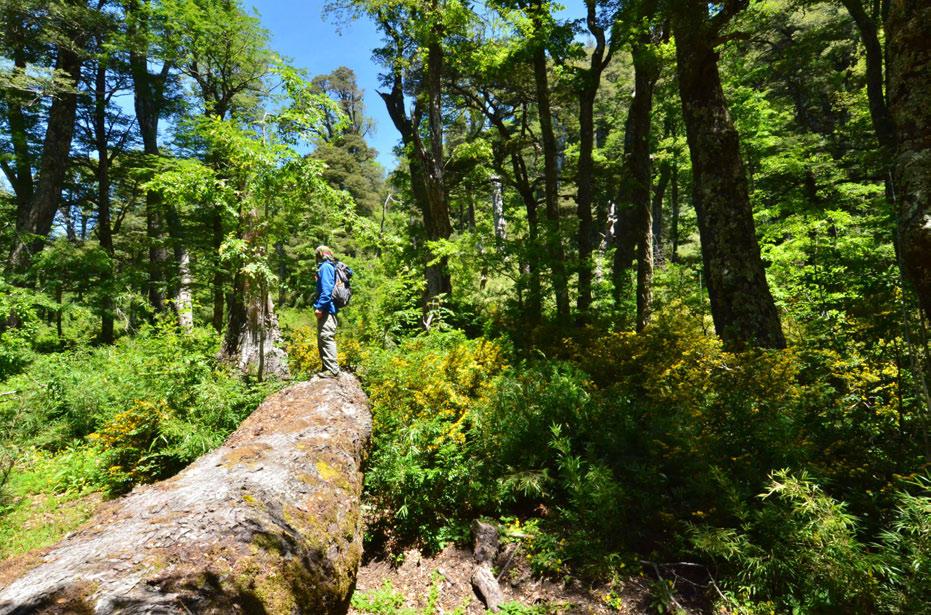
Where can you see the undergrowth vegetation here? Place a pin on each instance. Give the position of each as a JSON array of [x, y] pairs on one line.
[[662, 443], [107, 418]]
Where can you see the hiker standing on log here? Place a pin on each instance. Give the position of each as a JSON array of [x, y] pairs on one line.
[[325, 310]]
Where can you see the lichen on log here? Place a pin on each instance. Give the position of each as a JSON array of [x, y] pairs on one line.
[[268, 523]]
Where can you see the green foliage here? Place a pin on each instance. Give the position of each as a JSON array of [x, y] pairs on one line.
[[423, 397], [388, 601], [381, 601], [629, 440], [905, 551], [19, 324], [800, 549], [147, 405]]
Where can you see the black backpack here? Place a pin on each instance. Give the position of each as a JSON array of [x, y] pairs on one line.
[[342, 287]]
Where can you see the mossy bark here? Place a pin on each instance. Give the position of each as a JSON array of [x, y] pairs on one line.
[[742, 306], [909, 34], [268, 523]]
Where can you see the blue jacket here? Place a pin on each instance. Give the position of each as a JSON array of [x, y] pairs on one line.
[[326, 280]]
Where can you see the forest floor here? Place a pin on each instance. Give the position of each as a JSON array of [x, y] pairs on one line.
[[441, 584]]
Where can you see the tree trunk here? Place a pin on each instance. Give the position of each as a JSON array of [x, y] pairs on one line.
[[646, 72], [909, 34], [425, 162], [879, 110], [674, 222], [268, 523], [658, 195], [742, 306], [253, 339], [591, 79], [34, 226], [149, 102], [437, 223], [156, 286], [497, 210], [183, 300], [20, 174], [634, 206], [104, 227], [555, 253]]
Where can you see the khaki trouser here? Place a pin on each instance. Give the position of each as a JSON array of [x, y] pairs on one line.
[[326, 342]]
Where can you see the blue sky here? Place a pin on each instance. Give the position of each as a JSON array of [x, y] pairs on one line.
[[300, 32]]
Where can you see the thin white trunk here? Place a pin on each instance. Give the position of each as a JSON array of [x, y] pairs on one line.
[[184, 304], [497, 209]]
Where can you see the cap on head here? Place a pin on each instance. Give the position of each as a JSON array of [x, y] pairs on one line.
[[323, 252]]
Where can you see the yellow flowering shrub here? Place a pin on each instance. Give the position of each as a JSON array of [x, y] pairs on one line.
[[126, 443], [423, 395]]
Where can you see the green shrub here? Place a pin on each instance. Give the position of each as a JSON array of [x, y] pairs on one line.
[[906, 552], [19, 323], [800, 550], [423, 396], [148, 404]]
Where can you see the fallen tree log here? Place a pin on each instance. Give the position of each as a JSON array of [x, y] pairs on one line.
[[268, 523]]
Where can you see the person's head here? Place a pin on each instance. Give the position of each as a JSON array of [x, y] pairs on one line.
[[323, 253]]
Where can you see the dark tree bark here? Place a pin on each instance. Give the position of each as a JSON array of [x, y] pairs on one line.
[[148, 101], [33, 225], [156, 265], [879, 110], [104, 226], [908, 30], [742, 306], [554, 246], [425, 161], [674, 214], [437, 223], [20, 173], [646, 72], [634, 225], [590, 81]]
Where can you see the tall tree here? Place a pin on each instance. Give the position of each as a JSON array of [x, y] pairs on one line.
[[542, 26], [351, 163], [868, 17], [414, 58], [635, 220], [742, 306], [150, 102], [909, 32], [66, 25], [341, 86], [598, 22], [224, 52], [106, 133]]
